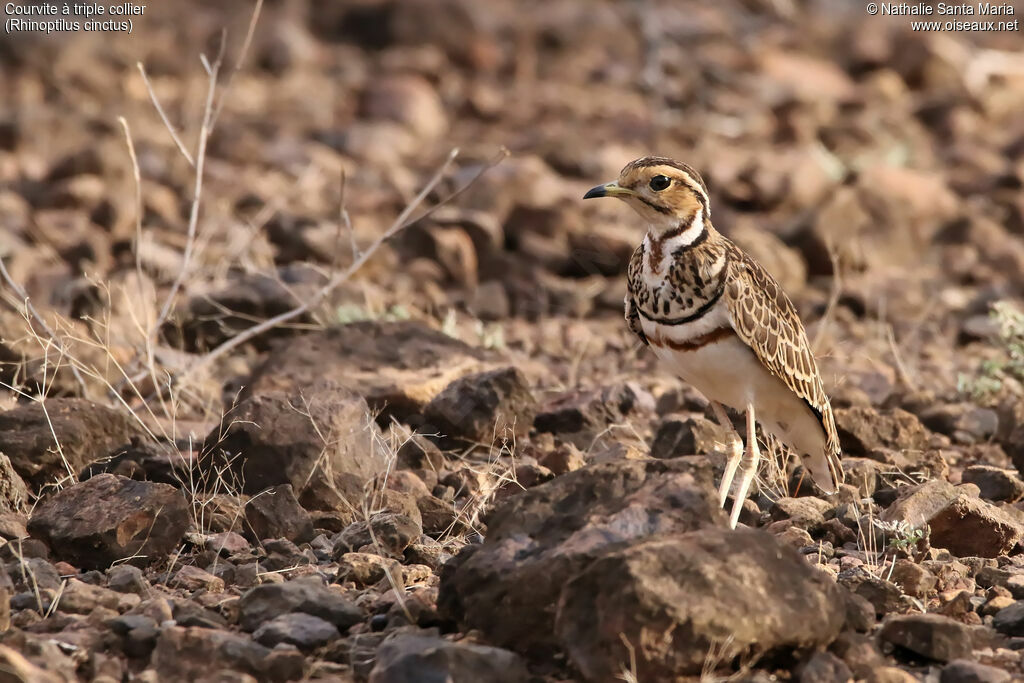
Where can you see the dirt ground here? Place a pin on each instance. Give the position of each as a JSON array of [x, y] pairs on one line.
[[313, 363]]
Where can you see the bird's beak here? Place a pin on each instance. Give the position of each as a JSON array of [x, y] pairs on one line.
[[612, 189]]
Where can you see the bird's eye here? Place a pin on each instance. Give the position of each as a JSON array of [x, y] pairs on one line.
[[660, 182]]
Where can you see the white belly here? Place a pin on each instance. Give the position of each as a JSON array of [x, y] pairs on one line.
[[727, 371]]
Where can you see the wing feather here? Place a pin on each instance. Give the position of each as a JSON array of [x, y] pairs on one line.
[[757, 303]]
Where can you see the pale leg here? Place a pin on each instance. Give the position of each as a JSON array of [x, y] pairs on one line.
[[749, 468], [735, 447]]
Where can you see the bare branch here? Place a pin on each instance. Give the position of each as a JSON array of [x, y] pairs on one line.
[[400, 223], [197, 192], [163, 116], [238, 63]]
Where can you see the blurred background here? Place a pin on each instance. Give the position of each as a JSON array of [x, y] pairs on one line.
[[875, 170]]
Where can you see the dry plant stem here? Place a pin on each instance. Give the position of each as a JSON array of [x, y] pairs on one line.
[[163, 116], [23, 297], [238, 63], [397, 226], [197, 193], [137, 175]]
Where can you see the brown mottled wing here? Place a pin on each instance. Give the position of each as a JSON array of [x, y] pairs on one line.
[[633, 320], [765, 319], [633, 275]]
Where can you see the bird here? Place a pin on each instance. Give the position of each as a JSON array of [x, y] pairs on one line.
[[722, 323]]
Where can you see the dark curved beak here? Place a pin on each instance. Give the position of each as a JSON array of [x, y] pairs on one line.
[[612, 189]]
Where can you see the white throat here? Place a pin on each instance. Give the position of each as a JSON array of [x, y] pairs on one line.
[[684, 238]]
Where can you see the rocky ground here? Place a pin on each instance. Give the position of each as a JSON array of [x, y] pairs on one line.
[[454, 463]]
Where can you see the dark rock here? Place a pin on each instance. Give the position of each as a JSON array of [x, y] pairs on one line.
[[366, 569], [913, 579], [580, 416], [212, 317], [481, 408], [824, 667], [227, 543], [386, 532], [994, 483], [806, 512], [863, 431], [306, 595], [276, 513], [398, 367], [1009, 435], [108, 518], [860, 613], [13, 524], [192, 578], [139, 632], [863, 473], [304, 631], [884, 596], [966, 671], [141, 460], [420, 453], [125, 578], [320, 435], [915, 505], [928, 635], [86, 432], [697, 585], [675, 436], [1010, 620], [543, 537], [960, 523], [189, 613], [971, 527], [201, 653], [965, 422], [13, 492], [413, 657]]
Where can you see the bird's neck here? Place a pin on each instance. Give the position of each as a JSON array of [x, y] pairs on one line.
[[680, 234]]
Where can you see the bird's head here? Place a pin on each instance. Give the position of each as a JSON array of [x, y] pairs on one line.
[[668, 194]]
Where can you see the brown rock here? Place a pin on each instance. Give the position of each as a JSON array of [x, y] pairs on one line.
[[193, 578], [110, 518], [385, 532], [13, 492], [366, 569], [929, 635], [541, 538], [579, 416], [918, 504], [972, 527], [966, 671], [197, 653], [994, 483], [807, 512], [692, 588], [496, 405], [276, 513], [322, 437], [408, 100], [864, 431], [307, 595], [824, 667], [86, 432], [408, 657], [913, 579], [398, 367]]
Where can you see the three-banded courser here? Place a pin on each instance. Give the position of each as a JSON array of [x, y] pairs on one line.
[[723, 324]]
